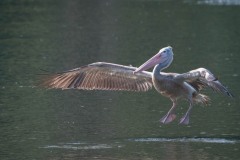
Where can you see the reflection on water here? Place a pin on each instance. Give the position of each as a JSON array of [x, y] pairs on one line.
[[200, 140], [89, 146], [148, 148], [215, 2], [76, 146]]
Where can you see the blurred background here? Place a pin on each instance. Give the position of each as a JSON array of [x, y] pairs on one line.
[[59, 35]]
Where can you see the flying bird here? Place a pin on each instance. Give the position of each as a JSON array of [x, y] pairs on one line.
[[175, 86]]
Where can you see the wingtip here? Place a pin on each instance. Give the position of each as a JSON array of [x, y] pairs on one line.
[[230, 95]]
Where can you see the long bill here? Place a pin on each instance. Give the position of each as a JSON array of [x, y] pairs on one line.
[[149, 64]]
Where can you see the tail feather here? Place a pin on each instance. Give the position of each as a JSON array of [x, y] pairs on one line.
[[202, 99]]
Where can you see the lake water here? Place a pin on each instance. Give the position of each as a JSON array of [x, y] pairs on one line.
[[58, 35]]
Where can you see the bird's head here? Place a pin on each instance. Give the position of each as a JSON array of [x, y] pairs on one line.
[[164, 56]]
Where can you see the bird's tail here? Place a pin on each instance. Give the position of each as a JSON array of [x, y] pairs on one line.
[[202, 99]]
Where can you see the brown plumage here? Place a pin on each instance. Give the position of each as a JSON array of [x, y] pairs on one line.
[[109, 76], [101, 76]]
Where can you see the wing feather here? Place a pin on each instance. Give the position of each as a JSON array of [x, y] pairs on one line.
[[101, 76], [201, 78]]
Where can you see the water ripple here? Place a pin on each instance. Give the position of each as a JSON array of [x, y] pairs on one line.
[[80, 146], [214, 2], [199, 140], [74, 147]]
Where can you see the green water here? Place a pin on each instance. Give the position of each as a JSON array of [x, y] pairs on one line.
[[58, 35]]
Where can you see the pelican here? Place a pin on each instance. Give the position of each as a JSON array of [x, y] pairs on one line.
[[110, 76]]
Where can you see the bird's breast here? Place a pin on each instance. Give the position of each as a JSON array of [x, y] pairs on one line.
[[170, 88]]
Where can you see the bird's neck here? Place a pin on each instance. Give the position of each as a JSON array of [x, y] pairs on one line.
[[159, 67]]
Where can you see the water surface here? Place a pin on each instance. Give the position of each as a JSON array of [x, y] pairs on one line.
[[36, 123]]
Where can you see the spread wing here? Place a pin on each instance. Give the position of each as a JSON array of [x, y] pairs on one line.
[[201, 78], [101, 76]]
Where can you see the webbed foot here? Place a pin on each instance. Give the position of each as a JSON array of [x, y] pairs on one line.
[[168, 118], [184, 120]]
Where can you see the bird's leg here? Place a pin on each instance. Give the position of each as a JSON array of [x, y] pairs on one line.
[[185, 118], [169, 117]]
